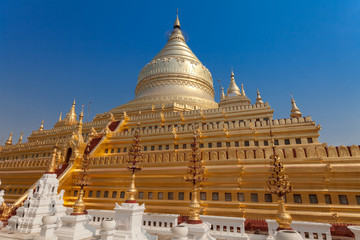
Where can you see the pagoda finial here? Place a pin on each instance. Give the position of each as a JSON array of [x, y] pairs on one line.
[[41, 126], [60, 117], [295, 111], [21, 137], [177, 22], [222, 96], [70, 117], [233, 89], [242, 90], [81, 115], [258, 98], [52, 166], [9, 141]]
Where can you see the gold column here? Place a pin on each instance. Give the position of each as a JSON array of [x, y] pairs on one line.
[[196, 171], [134, 161]]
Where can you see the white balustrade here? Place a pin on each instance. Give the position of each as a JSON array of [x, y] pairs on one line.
[[159, 223], [97, 216], [221, 227], [226, 227], [308, 230]]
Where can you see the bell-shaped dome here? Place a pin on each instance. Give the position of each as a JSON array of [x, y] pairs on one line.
[[174, 76]]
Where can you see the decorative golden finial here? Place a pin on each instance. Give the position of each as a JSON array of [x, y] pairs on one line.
[[196, 176], [242, 90], [41, 126], [295, 112], [280, 185], [9, 141], [177, 22], [233, 89], [70, 117], [258, 98], [60, 117], [135, 159], [52, 166], [82, 180], [81, 115], [222, 96], [21, 137]]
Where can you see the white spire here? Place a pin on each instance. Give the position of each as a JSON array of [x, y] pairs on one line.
[[233, 89], [295, 111], [258, 98]]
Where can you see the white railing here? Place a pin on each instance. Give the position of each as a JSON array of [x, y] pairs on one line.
[[159, 223], [226, 227], [308, 230], [97, 216]]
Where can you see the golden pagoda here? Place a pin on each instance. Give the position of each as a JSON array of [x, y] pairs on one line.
[[175, 93]]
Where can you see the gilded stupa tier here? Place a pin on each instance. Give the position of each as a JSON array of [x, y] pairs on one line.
[[174, 75]]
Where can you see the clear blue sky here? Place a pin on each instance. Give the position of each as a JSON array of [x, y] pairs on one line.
[[54, 51]]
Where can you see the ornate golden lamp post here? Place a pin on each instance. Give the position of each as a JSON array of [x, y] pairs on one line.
[[279, 184], [82, 180], [196, 176], [134, 161]]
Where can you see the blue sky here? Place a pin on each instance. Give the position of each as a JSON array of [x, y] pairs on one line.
[[54, 51]]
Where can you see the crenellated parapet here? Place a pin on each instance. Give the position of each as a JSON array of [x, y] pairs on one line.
[[317, 154]]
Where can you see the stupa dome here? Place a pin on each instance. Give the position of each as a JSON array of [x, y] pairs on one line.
[[174, 76]]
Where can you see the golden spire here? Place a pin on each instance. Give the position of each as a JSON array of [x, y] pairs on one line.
[[52, 166], [233, 89], [41, 126], [60, 117], [295, 111], [222, 96], [196, 176], [135, 159], [81, 115], [176, 33], [21, 137], [177, 22], [9, 141], [242, 90], [70, 117], [258, 98]]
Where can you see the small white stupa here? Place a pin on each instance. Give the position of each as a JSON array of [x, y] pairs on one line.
[[43, 201]]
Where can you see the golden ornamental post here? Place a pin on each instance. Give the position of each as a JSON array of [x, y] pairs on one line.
[[82, 180], [134, 161], [279, 184], [196, 176]]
